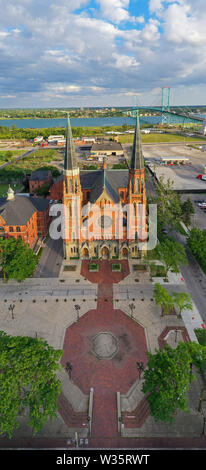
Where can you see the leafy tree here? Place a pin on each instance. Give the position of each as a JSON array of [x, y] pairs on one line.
[[43, 190], [27, 381], [167, 381], [169, 252], [183, 301], [197, 244], [187, 211], [16, 259], [201, 335], [198, 356], [168, 202], [163, 299]]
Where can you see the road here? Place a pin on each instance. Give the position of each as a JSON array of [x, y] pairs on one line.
[[51, 259], [17, 158], [192, 273], [194, 277]]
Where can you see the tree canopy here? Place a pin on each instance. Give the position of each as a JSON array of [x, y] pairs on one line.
[[168, 202], [197, 244], [163, 299], [168, 377], [28, 381], [17, 260], [169, 252], [187, 211], [183, 301]]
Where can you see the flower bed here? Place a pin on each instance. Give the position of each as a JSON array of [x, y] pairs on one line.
[[139, 267], [157, 270], [116, 267], [70, 267], [93, 267]]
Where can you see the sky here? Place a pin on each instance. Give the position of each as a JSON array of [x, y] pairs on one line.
[[80, 53]]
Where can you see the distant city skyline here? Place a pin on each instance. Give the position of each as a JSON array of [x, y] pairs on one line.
[[101, 53]]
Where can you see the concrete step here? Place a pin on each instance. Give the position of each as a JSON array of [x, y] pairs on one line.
[[137, 417], [71, 418]]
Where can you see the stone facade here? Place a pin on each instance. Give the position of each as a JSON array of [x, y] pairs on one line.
[[102, 206]]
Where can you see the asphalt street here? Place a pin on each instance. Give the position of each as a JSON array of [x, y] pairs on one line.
[[192, 273], [51, 259]]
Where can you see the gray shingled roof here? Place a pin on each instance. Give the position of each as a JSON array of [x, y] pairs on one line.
[[95, 180], [112, 180], [40, 175], [19, 210]]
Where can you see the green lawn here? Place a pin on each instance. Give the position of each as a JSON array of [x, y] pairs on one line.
[[158, 138], [39, 159], [4, 188], [9, 155], [94, 267], [116, 267]]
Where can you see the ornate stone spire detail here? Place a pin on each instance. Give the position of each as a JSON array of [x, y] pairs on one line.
[[137, 159], [10, 194], [69, 158]]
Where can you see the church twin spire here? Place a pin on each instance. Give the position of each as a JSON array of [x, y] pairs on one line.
[[137, 159], [70, 162]]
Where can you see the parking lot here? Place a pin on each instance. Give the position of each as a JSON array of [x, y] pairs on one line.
[[199, 218], [183, 175]]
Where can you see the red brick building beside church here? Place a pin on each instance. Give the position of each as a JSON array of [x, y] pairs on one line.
[[24, 217]]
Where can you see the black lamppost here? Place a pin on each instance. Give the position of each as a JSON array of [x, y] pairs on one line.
[[69, 368], [132, 307], [77, 308], [11, 309], [202, 399], [203, 429], [140, 368]]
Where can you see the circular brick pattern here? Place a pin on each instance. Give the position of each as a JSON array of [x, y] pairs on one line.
[[104, 345]]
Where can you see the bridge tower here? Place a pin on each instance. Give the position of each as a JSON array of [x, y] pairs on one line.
[[165, 104]]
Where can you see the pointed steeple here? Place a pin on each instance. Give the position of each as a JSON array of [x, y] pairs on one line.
[[69, 158], [137, 159]]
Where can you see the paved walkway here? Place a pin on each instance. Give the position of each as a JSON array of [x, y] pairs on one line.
[[56, 322], [105, 376]]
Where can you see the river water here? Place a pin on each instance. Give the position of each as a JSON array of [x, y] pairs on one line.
[[77, 122]]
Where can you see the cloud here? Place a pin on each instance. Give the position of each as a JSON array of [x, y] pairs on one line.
[[117, 11], [183, 25], [91, 51], [124, 62]]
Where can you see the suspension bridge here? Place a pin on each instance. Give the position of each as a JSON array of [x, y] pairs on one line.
[[169, 114]]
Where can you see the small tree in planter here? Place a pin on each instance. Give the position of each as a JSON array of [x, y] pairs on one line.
[[163, 299], [183, 301], [172, 254]]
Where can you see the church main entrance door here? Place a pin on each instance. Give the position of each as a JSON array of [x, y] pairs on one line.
[[105, 252], [85, 253], [125, 252]]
